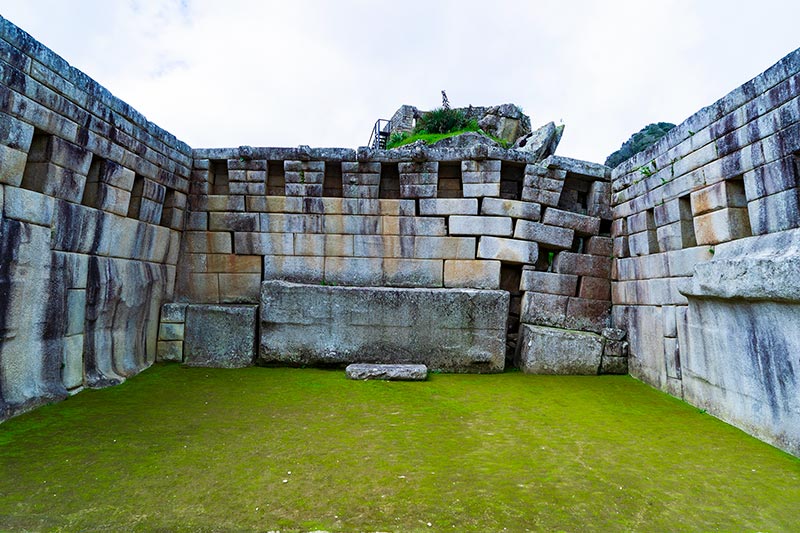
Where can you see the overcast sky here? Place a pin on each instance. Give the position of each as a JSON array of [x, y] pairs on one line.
[[282, 73]]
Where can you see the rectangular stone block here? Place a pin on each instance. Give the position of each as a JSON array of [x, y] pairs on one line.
[[170, 351], [549, 282], [509, 250], [28, 206], [595, 288], [76, 311], [412, 272], [299, 269], [222, 202], [401, 208], [15, 133], [543, 309], [448, 206], [444, 247], [264, 243], [550, 236], [418, 191], [718, 196], [547, 198], [221, 221], [777, 212], [413, 226], [672, 211], [472, 274], [676, 236], [12, 165], [201, 287], [599, 200], [173, 312], [239, 287], [479, 190], [170, 332], [545, 350], [643, 243], [197, 221], [511, 208], [111, 199], [455, 330], [581, 224], [231, 263], [354, 271], [208, 242], [72, 373], [599, 246], [53, 180], [480, 225], [722, 225], [583, 264], [220, 336], [588, 314]]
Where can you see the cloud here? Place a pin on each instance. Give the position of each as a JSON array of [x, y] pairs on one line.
[[279, 73]]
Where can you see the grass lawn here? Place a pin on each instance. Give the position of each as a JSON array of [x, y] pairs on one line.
[[302, 449]]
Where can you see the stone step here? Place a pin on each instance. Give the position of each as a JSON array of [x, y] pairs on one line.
[[364, 371]]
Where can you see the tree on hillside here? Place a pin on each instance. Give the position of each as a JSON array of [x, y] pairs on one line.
[[638, 142]]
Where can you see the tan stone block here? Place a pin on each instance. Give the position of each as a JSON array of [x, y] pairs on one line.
[[202, 288], [445, 247], [239, 287], [224, 202], [549, 282], [231, 263], [480, 225], [339, 245], [472, 274], [722, 225], [263, 243], [102, 196], [718, 196], [412, 272], [397, 207]]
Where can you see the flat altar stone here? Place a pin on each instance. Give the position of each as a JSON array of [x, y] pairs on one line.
[[365, 371]]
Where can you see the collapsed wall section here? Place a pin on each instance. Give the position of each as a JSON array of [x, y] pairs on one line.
[[92, 197], [705, 239]]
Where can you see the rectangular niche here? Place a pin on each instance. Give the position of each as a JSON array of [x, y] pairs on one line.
[[332, 183], [220, 182], [390, 181], [450, 180], [135, 205], [276, 179], [91, 193], [512, 175], [575, 195], [34, 176]]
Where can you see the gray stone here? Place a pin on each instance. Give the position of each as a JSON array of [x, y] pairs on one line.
[[546, 350], [457, 330], [511, 208], [448, 206], [613, 365], [480, 225], [173, 312], [540, 143], [510, 250], [363, 371], [220, 336], [552, 236]]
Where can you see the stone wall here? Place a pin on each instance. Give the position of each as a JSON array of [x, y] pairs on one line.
[[706, 251], [92, 198]]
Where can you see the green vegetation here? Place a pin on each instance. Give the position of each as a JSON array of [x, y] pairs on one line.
[[439, 124], [188, 449], [638, 142]]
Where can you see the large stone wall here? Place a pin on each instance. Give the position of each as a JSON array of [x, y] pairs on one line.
[[706, 251], [92, 198]]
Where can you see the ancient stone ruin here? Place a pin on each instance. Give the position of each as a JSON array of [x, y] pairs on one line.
[[121, 246]]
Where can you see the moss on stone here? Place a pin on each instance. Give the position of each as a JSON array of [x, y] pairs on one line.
[[200, 450]]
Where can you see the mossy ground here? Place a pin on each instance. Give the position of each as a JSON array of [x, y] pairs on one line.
[[205, 450]]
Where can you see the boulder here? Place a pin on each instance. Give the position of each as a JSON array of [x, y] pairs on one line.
[[542, 142], [546, 350]]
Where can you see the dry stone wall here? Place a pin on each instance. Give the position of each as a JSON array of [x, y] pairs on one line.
[[705, 238], [92, 198]]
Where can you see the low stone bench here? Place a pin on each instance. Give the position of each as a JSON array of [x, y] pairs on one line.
[[364, 371]]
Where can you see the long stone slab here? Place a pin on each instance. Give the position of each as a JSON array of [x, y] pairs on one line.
[[365, 371], [454, 330]]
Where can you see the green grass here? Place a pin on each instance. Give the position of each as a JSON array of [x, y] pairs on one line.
[[211, 450], [397, 140]]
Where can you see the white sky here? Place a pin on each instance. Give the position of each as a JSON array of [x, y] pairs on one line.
[[222, 73]]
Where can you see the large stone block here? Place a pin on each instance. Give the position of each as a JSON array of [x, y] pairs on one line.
[[457, 330], [448, 206], [511, 208], [472, 274], [722, 225], [12, 165], [509, 250], [583, 264], [581, 224], [28, 206], [549, 282], [220, 336], [480, 225], [551, 236], [364, 371], [546, 350]]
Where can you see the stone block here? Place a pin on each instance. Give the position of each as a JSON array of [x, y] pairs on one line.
[[169, 331], [672, 211], [583, 265], [222, 202], [364, 371], [480, 225], [354, 271], [12, 165], [448, 206], [201, 287], [777, 212], [231, 263], [588, 314], [15, 133], [444, 247], [72, 372], [479, 190], [722, 225], [220, 336], [543, 309], [299, 269], [413, 226], [549, 283], [400, 208], [208, 242], [239, 287], [456, 330], [581, 224], [170, 351], [642, 221], [472, 274], [221, 221], [613, 365], [511, 208], [720, 195], [76, 311], [55, 181], [545, 350], [551, 236], [508, 250], [595, 288], [643, 243], [111, 199], [173, 312], [676, 236], [28, 206], [546, 198], [264, 243], [599, 246], [197, 221], [599, 200], [412, 272]]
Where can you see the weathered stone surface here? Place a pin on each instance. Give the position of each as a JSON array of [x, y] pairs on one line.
[[448, 206], [546, 350], [220, 336], [458, 330], [551, 236], [170, 351], [540, 143], [510, 250], [28, 206], [721, 226], [364, 371], [474, 274], [613, 365], [510, 208], [582, 224], [549, 282], [480, 225]]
